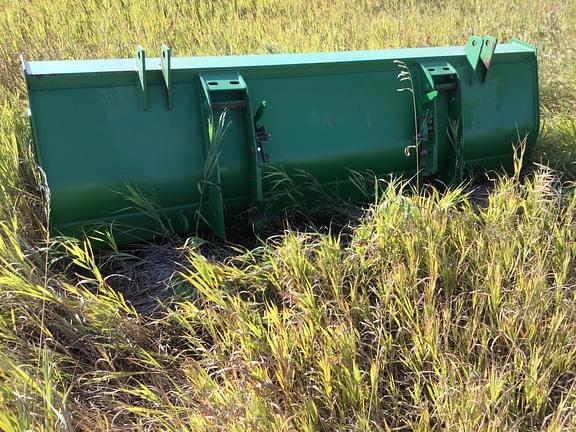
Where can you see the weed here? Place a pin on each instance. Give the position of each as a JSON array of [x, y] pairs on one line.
[[434, 312]]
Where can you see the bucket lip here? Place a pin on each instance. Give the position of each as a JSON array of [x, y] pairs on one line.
[[63, 67]]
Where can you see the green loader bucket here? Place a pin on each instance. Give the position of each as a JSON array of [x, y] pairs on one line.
[[147, 145]]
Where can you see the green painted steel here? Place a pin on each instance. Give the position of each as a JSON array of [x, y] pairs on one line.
[[109, 132]]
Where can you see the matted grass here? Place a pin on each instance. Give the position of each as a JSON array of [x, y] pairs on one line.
[[430, 313]]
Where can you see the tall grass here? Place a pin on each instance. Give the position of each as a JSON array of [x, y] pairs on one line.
[[433, 312]]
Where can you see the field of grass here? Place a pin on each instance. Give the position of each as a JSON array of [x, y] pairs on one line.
[[430, 313]]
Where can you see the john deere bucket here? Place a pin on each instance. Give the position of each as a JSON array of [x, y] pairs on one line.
[[147, 145]]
